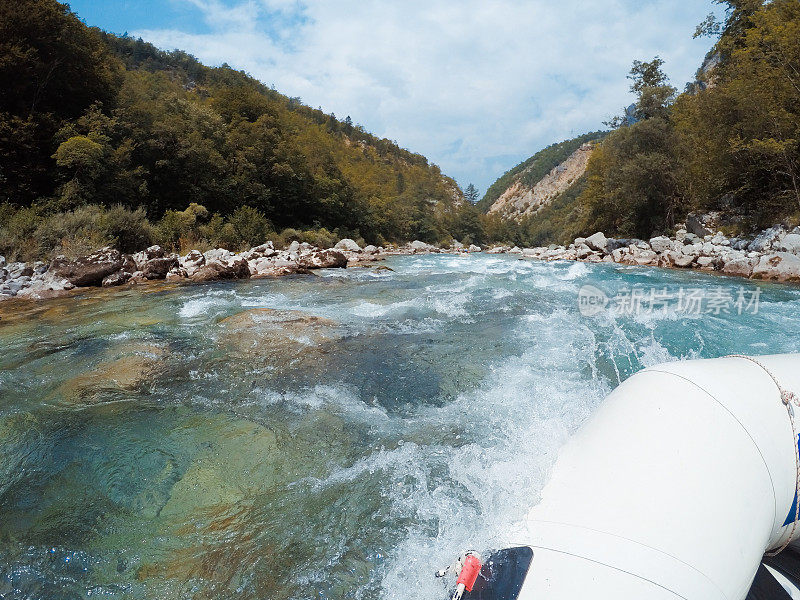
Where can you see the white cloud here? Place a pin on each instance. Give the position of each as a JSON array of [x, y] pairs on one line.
[[475, 85]]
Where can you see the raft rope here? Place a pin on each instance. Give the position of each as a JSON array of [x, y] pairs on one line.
[[789, 399]]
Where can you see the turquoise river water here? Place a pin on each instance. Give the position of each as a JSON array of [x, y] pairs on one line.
[[338, 436]]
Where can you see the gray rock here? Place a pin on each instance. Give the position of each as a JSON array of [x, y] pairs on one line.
[[474, 248], [218, 254], [294, 246], [157, 268], [14, 286], [349, 245], [418, 246], [193, 260], [691, 238], [2, 261], [177, 272], [740, 244], [645, 257], [765, 239], [661, 244], [780, 266], [742, 267], [684, 261], [692, 249], [19, 269], [116, 279], [695, 226], [217, 270], [141, 258], [708, 263], [90, 270], [612, 244], [598, 242], [789, 243], [370, 249], [323, 259], [720, 240]]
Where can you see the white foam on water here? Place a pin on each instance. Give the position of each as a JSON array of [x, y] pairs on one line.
[[194, 308], [370, 309], [209, 303], [339, 400], [266, 301], [513, 425], [574, 271]]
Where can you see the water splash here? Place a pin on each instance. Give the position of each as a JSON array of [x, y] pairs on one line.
[[420, 419]]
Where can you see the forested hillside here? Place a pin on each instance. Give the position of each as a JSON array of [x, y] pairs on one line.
[[108, 139], [535, 168], [730, 143]]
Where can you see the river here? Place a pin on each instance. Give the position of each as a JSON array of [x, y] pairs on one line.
[[338, 436]]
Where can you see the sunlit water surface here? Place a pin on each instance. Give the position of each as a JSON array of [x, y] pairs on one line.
[[184, 442]]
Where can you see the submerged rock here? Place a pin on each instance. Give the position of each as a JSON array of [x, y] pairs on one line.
[[276, 336], [137, 365]]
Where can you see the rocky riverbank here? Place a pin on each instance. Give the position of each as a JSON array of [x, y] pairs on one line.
[[108, 267], [773, 255]]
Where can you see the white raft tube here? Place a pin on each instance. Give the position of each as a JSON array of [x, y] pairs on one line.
[[675, 488]]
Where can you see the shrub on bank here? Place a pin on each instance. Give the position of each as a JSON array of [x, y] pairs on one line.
[[41, 232], [31, 233]]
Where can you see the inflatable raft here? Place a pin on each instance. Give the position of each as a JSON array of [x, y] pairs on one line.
[[682, 485]]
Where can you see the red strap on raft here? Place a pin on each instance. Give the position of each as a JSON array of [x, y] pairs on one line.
[[469, 572]]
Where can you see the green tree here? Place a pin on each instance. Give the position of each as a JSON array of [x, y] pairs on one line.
[[52, 67], [471, 194], [740, 139], [651, 85], [632, 179]]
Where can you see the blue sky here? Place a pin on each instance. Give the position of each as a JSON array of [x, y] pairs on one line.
[[475, 85]]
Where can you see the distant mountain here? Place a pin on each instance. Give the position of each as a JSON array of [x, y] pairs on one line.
[[538, 181]]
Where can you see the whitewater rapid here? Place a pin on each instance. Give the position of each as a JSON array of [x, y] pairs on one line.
[[344, 443]]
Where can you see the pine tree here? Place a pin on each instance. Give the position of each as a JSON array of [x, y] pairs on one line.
[[471, 194]]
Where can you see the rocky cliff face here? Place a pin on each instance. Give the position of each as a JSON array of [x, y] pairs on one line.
[[523, 199]]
